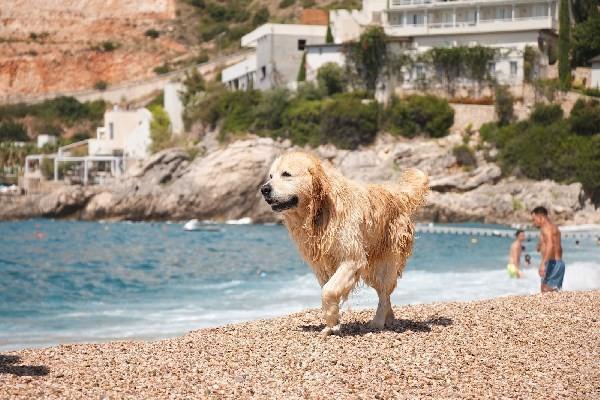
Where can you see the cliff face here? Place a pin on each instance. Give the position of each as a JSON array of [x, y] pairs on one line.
[[20, 13], [60, 46]]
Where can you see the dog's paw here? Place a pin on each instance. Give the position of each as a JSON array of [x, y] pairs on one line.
[[328, 330], [377, 324]]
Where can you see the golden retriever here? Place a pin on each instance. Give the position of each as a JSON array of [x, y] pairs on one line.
[[346, 231]]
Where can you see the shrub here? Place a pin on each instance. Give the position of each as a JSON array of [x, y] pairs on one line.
[[585, 117], [202, 58], [465, 156], [205, 106], [160, 129], [162, 69], [309, 4], [593, 92], [268, 114], [237, 111], [586, 40], [546, 114], [152, 33], [301, 121], [13, 131], [194, 83], [209, 31], [417, 115], [261, 17], [331, 79], [197, 3], [504, 105], [348, 122], [100, 85], [286, 3], [108, 46]]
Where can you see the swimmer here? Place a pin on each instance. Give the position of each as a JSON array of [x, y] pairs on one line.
[[514, 256], [528, 260]]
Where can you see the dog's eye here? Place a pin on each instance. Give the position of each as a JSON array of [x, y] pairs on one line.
[[285, 174], [270, 176]]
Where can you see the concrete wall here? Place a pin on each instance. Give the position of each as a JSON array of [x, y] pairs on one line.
[[279, 57], [174, 106], [316, 57], [595, 75]]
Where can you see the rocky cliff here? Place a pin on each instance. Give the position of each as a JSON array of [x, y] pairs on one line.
[[67, 45], [224, 184]]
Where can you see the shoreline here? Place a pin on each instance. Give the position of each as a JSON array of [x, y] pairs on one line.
[[516, 346]]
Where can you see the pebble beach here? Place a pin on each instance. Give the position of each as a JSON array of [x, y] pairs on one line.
[[512, 347]]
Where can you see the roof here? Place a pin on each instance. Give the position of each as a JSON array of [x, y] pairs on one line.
[[595, 59]]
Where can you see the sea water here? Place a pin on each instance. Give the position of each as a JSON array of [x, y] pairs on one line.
[[66, 282]]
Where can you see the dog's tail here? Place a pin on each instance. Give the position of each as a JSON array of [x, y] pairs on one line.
[[414, 186]]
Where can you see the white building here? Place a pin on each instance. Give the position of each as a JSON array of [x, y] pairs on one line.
[[595, 75], [509, 25], [279, 49], [43, 140], [125, 133]]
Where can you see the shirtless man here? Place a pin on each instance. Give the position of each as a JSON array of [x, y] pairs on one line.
[[514, 257], [552, 268]]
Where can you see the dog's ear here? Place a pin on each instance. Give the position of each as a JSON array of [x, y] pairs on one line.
[[319, 196]]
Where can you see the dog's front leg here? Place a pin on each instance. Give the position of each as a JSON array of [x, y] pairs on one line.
[[337, 288]]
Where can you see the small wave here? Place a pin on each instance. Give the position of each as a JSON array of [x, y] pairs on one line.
[[241, 221]]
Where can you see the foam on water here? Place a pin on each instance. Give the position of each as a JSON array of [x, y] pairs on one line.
[[85, 283]]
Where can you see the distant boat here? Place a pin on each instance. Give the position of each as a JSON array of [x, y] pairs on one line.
[[195, 225]]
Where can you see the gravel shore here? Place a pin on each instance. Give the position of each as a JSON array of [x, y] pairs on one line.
[[515, 347]]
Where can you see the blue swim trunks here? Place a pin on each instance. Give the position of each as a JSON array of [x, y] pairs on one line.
[[555, 272]]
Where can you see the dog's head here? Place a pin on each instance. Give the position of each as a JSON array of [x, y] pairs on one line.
[[296, 181]]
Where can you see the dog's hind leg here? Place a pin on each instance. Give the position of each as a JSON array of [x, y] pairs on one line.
[[337, 288], [384, 285]]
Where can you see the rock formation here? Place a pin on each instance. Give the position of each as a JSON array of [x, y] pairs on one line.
[[224, 184]]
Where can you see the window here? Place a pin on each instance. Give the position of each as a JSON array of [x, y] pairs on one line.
[[513, 68], [301, 44], [111, 130], [419, 72], [492, 68], [263, 72]]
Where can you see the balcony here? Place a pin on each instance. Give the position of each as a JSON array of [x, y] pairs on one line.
[[525, 17], [434, 4]]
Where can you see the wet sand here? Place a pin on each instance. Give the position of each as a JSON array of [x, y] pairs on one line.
[[515, 347]]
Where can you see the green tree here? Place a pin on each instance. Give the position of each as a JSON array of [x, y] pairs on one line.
[[194, 83], [13, 131], [160, 129], [329, 36], [302, 71], [584, 9], [586, 41], [331, 79], [564, 40], [368, 58], [261, 17], [416, 115]]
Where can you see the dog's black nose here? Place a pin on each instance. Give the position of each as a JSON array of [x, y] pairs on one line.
[[266, 189]]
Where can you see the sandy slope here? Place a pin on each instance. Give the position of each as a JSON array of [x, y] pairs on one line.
[[516, 347]]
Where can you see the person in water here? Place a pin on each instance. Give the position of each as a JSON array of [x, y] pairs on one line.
[[552, 268], [514, 256]]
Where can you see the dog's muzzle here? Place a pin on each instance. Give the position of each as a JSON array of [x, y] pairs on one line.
[[276, 204]]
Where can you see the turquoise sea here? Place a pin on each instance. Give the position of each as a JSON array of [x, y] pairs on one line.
[[65, 281]]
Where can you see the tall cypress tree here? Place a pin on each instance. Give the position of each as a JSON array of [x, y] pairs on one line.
[[329, 37], [564, 38], [302, 71]]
